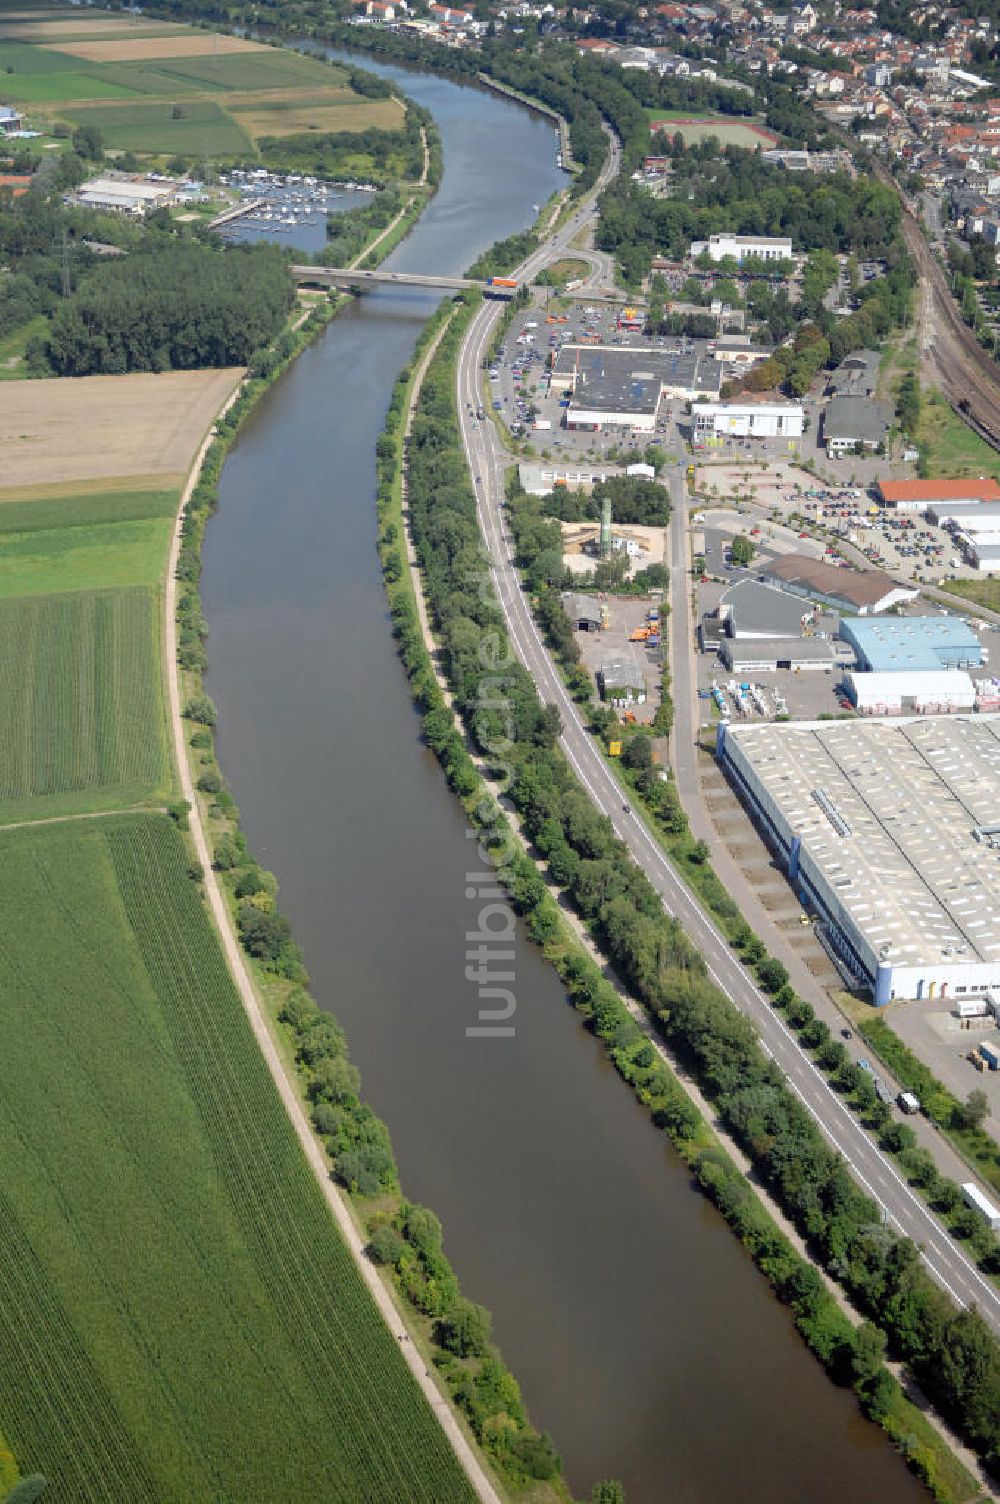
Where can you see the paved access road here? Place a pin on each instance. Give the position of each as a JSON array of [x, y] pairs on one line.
[[873, 1170]]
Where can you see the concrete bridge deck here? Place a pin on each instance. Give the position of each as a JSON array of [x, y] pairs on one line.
[[341, 277], [336, 276]]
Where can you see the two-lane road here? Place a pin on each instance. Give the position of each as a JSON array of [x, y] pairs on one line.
[[873, 1170]]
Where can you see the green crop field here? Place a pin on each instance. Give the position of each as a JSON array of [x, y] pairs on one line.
[[50, 88], [241, 70], [83, 558], [181, 1320], [23, 57], [147, 78], [85, 511], [81, 710], [205, 129]]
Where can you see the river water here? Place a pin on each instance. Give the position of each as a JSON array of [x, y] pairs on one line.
[[642, 1337]]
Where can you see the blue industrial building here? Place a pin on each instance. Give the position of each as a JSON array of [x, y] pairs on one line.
[[916, 643]]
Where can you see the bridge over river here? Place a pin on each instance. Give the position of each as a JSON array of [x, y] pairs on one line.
[[337, 276]]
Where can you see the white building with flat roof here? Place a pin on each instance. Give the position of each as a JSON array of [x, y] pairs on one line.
[[755, 420], [744, 247], [889, 831], [933, 691]]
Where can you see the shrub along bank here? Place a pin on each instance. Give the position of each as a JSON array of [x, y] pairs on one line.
[[953, 1353], [851, 1354]]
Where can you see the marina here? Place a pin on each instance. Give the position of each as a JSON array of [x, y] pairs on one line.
[[276, 205]]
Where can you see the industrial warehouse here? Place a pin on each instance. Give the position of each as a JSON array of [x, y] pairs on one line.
[[888, 832]]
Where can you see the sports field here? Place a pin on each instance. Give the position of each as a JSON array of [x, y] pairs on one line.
[[181, 1320], [730, 130], [95, 428]]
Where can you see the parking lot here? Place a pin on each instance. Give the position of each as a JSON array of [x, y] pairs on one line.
[[904, 544], [944, 1042], [533, 409]]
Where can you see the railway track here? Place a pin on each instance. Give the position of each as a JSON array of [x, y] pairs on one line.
[[968, 376]]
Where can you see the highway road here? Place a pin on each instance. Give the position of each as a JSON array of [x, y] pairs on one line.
[[873, 1170]]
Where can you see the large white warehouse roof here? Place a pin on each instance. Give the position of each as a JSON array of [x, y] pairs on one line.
[[891, 826]]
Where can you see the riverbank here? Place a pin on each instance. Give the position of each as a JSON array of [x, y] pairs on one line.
[[679, 1110], [222, 920]]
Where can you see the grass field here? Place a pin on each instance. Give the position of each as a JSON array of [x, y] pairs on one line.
[[91, 429], [85, 511], [22, 57], [267, 69], [181, 1320], [12, 348], [83, 558], [55, 88], [949, 446], [148, 126], [81, 711], [985, 592], [729, 130]]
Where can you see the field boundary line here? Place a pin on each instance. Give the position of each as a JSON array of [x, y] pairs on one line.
[[219, 913], [88, 814]]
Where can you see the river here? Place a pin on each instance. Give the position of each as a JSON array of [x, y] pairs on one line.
[[643, 1338]]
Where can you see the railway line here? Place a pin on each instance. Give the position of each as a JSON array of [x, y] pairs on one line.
[[967, 375]]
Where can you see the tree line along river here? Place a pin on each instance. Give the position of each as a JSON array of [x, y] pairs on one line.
[[642, 1337]]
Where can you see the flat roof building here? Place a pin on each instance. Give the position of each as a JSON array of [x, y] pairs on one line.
[[843, 589], [972, 516], [940, 691], [887, 644], [540, 480], [982, 551], [744, 247], [765, 655], [852, 421], [712, 421], [135, 197], [881, 826], [622, 386], [918, 495]]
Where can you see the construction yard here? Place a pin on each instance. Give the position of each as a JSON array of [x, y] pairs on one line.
[[77, 431], [580, 545]]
